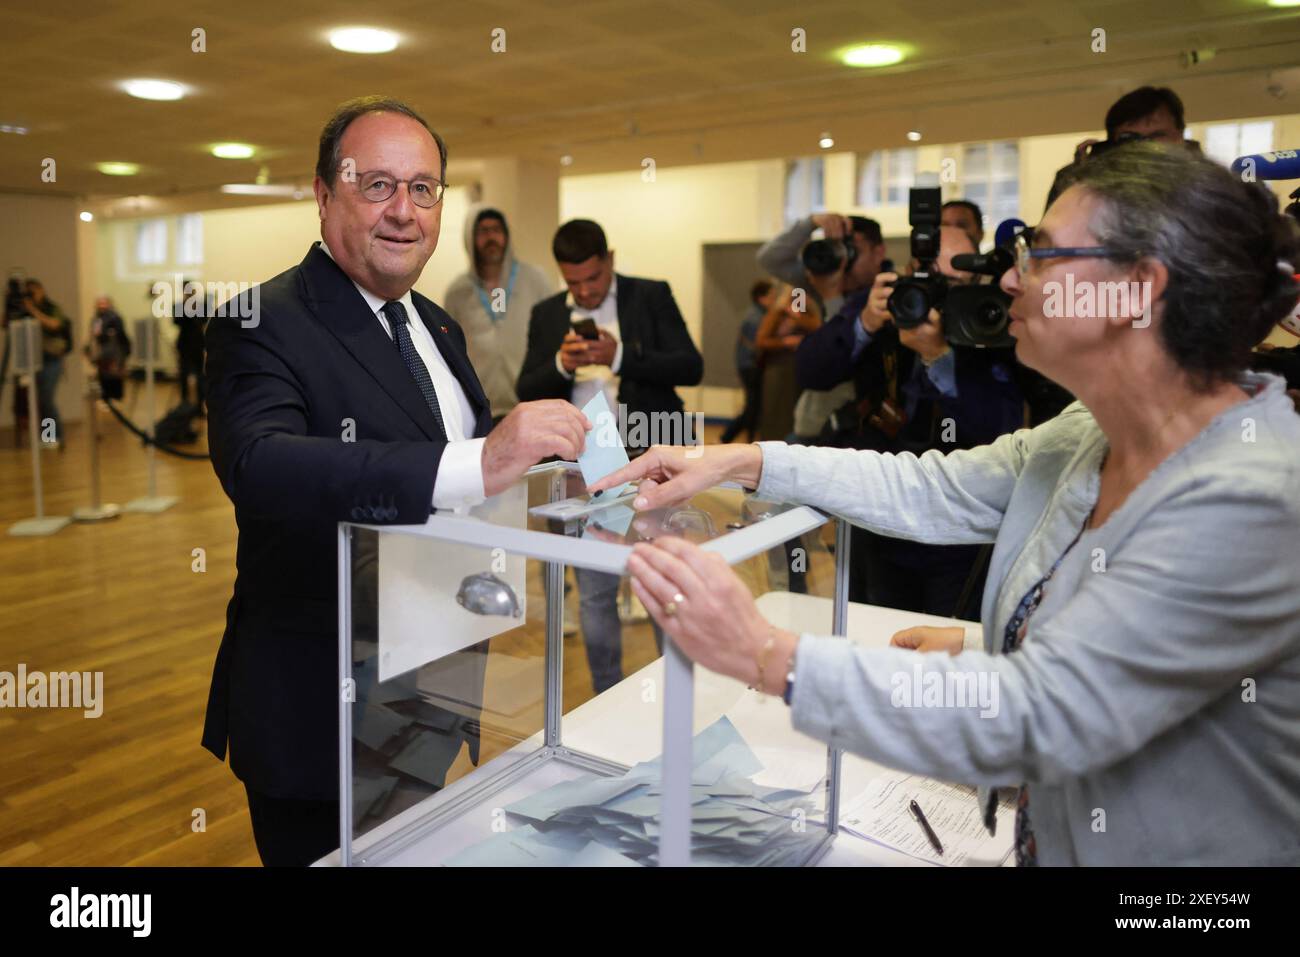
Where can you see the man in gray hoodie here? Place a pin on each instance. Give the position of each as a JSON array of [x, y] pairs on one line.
[[492, 301]]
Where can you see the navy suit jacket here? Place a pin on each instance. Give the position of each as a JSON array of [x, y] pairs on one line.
[[658, 353], [313, 419]]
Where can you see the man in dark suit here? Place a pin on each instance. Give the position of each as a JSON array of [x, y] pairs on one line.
[[336, 393], [642, 352]]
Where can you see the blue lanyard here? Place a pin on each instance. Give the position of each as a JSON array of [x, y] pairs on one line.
[[510, 291]]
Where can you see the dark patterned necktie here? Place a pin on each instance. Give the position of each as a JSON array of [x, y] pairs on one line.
[[396, 314]]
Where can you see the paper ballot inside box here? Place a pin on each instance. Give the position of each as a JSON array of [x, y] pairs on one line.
[[420, 619]]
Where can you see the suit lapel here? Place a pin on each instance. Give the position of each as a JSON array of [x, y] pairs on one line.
[[336, 303], [626, 311]]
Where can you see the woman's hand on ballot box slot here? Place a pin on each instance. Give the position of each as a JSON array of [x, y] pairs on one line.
[[672, 474]]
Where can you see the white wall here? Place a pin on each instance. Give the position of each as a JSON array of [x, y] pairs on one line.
[[40, 237], [657, 229]]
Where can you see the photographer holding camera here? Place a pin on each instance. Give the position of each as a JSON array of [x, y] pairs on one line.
[[965, 215], [938, 378], [851, 243], [1147, 113], [835, 273]]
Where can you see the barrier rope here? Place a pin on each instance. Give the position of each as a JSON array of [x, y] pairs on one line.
[[147, 438]]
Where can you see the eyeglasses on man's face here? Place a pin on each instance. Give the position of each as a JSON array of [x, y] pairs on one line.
[[379, 186]]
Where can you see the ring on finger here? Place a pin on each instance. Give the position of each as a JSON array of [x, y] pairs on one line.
[[670, 608]]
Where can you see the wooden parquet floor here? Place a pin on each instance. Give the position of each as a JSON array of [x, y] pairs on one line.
[[121, 597]]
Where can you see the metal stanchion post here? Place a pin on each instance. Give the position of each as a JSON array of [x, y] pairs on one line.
[[96, 511], [25, 336], [146, 333]]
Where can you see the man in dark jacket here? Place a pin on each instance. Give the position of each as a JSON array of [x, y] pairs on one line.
[[643, 350], [190, 311], [338, 394], [109, 348], [641, 353]]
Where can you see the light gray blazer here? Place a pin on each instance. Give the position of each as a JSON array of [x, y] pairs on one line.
[[1154, 707]]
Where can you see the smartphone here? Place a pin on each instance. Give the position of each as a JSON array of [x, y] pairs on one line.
[[586, 328]]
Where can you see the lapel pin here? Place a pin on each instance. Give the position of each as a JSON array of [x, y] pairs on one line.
[[443, 328]]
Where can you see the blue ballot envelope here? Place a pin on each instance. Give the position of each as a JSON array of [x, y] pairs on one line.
[[604, 452]]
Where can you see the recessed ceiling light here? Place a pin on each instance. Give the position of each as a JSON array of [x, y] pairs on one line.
[[566, 160], [87, 216], [363, 40], [154, 89], [118, 169], [20, 130], [232, 151], [826, 142], [914, 135], [871, 54]]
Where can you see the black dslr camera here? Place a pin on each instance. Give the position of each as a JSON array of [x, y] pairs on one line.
[[1108, 144], [915, 295], [973, 316], [821, 257]]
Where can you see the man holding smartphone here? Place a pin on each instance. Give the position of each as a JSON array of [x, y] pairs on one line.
[[617, 333], [625, 336]]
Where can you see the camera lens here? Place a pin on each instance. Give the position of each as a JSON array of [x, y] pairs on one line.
[[910, 303], [821, 257], [990, 319], [977, 316]]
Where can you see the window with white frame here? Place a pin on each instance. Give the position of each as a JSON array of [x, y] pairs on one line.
[[151, 242], [884, 177], [189, 239], [805, 188], [1224, 142], [868, 181], [900, 174], [990, 177]]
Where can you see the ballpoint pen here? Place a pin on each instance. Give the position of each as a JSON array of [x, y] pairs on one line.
[[925, 825]]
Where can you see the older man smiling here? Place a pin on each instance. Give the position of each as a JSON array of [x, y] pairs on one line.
[[350, 398]]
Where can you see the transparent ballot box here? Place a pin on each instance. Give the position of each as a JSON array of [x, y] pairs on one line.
[[506, 700]]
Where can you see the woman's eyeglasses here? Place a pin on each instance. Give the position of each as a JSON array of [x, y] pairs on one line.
[[1026, 253], [380, 186]]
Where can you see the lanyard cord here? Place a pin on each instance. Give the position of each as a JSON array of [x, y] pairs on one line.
[[510, 291]]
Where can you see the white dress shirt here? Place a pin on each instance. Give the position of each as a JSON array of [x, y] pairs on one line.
[[588, 380], [459, 482]]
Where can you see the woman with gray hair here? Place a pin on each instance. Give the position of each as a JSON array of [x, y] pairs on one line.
[[1142, 612]]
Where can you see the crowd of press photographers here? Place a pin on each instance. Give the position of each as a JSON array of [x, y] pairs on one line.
[[840, 347], [865, 362]]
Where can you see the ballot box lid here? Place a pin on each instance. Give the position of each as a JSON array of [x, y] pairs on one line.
[[724, 519]]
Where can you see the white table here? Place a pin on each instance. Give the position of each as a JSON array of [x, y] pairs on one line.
[[620, 724]]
